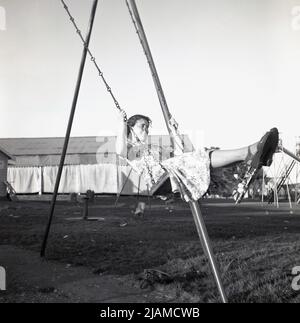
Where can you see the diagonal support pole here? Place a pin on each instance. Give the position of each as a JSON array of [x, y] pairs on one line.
[[289, 153], [205, 242], [69, 127], [122, 189], [200, 225]]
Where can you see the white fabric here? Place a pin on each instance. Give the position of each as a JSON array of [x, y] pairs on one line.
[[101, 178], [190, 171], [25, 179]]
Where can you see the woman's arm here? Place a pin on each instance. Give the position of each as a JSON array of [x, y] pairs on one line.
[[178, 138], [121, 141]]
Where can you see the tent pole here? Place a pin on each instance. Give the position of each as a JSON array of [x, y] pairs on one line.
[[69, 127], [200, 225]]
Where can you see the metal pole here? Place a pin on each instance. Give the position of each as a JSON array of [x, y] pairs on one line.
[[203, 235], [289, 153], [118, 175], [194, 205], [289, 195], [144, 42], [126, 180], [263, 186], [296, 185], [296, 159], [69, 128], [139, 186], [148, 194], [85, 209]]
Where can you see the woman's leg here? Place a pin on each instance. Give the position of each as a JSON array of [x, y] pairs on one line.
[[221, 158], [260, 153]]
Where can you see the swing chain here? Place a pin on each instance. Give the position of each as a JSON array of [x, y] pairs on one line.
[[108, 88], [93, 59]]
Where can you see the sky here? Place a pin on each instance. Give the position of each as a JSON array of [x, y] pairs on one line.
[[230, 69]]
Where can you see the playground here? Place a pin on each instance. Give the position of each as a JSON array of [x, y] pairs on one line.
[[118, 248], [120, 257]]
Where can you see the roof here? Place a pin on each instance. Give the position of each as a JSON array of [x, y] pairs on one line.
[[8, 155], [81, 150], [53, 146], [77, 145]]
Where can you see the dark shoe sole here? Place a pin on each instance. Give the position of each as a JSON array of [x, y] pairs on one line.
[[266, 148]]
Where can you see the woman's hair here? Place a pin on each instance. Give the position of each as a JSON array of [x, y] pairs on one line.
[[132, 121]]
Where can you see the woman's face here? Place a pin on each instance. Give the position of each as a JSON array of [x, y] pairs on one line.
[[141, 129]]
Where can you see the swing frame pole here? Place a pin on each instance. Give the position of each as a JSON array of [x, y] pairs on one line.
[[205, 242], [289, 153], [69, 127], [144, 42], [121, 191], [198, 218]]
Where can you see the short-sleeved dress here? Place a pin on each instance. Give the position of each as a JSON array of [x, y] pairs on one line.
[[190, 170]]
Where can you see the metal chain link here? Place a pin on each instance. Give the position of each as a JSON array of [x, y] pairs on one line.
[[93, 59], [108, 88]]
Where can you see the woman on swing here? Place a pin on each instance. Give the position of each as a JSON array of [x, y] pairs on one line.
[[189, 172]]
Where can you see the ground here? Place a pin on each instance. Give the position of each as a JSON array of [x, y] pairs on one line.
[[155, 258]]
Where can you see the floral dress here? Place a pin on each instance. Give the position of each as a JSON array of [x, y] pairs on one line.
[[190, 171]]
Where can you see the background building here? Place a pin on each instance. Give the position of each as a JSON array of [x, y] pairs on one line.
[[5, 160], [91, 163]]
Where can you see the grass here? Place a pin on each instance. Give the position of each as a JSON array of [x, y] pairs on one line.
[[256, 246], [260, 273]]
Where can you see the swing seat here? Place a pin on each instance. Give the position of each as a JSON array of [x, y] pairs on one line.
[[162, 187]]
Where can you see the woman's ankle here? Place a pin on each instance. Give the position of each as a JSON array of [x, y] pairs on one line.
[[251, 151]]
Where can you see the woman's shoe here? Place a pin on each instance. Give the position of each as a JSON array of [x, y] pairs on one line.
[[263, 157], [266, 148]]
